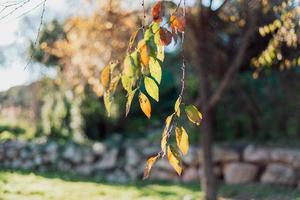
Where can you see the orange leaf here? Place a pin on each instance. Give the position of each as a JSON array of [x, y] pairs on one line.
[[177, 23], [165, 36], [105, 76], [145, 105], [150, 163], [157, 12], [144, 54]]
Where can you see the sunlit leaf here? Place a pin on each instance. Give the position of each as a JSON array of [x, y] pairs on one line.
[[163, 142], [165, 36], [130, 64], [105, 76], [160, 53], [155, 69], [157, 12], [182, 140], [177, 106], [144, 53], [114, 83], [108, 102], [127, 83], [177, 23], [150, 163], [174, 159], [193, 114], [130, 96], [145, 104], [151, 88], [132, 38]]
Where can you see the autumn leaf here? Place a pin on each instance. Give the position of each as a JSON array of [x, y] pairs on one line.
[[130, 96], [114, 83], [127, 82], [144, 54], [177, 106], [160, 55], [163, 142], [150, 163], [145, 104], [151, 88], [105, 76], [174, 159], [165, 36], [130, 64], [157, 12], [108, 102], [193, 114], [182, 140], [155, 69], [177, 23]]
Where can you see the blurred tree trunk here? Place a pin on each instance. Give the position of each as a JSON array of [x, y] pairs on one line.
[[208, 179]]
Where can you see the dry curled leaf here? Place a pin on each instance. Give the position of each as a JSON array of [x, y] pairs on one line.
[[157, 12], [150, 163], [165, 36], [177, 23]]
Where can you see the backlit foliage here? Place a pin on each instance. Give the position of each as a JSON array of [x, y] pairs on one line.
[[285, 34], [141, 75]]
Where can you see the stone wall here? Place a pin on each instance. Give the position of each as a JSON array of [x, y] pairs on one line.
[[125, 162]]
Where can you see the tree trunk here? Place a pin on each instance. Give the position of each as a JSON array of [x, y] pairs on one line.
[[208, 179]]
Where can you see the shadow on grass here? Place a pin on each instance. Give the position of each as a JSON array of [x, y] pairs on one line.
[[146, 188]]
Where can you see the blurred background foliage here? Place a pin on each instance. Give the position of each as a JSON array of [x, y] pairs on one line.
[[262, 104]]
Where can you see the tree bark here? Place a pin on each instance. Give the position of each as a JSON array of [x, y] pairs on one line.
[[208, 179]]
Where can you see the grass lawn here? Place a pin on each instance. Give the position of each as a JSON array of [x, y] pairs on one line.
[[52, 186]]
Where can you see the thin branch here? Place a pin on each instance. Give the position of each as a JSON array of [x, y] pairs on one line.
[[38, 32], [235, 65]]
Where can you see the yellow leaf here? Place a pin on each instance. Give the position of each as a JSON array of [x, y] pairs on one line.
[[105, 76], [144, 53], [108, 102], [129, 100], [164, 139], [114, 83], [150, 163], [193, 114], [155, 69], [145, 104], [182, 140], [151, 88], [177, 106], [174, 159]]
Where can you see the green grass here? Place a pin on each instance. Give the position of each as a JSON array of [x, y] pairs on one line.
[[19, 185]]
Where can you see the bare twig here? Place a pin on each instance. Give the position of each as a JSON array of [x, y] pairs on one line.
[[38, 32]]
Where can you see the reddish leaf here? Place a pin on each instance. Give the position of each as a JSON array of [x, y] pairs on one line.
[[165, 36], [157, 12], [177, 23]]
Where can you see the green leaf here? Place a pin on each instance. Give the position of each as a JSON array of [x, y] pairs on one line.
[[127, 82], [193, 114], [148, 34], [155, 69], [108, 102], [160, 54], [151, 88], [130, 96]]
